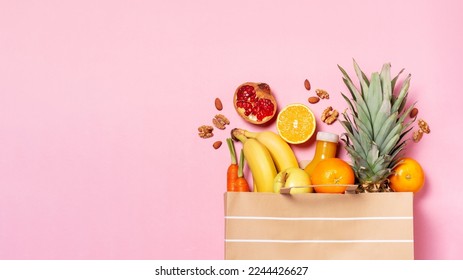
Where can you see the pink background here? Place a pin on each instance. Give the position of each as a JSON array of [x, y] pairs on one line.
[[100, 102]]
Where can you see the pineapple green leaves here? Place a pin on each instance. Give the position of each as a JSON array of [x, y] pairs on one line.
[[375, 123]]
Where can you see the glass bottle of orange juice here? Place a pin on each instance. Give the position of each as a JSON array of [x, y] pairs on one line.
[[326, 147]]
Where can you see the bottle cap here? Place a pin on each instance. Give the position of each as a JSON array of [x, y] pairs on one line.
[[327, 136]]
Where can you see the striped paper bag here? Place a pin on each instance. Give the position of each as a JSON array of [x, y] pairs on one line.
[[319, 226]]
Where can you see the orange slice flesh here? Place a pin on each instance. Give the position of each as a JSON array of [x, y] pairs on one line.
[[296, 123]]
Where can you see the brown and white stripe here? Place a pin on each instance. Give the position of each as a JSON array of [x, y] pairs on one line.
[[319, 226]]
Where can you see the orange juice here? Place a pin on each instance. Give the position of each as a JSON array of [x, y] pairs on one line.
[[326, 147]]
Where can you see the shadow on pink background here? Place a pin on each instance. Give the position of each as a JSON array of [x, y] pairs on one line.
[[100, 103]]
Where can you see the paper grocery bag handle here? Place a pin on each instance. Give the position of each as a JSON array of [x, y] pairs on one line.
[[350, 188]]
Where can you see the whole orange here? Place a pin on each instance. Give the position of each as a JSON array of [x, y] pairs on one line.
[[408, 176], [332, 171]]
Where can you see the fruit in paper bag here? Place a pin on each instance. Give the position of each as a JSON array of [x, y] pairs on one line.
[[255, 103], [259, 161], [407, 176], [296, 123], [282, 154], [292, 177], [375, 124], [332, 171]]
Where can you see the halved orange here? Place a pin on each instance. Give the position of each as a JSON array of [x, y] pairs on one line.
[[296, 123]]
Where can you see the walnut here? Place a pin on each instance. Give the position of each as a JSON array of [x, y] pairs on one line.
[[323, 94], [417, 135], [424, 126], [329, 115], [220, 121], [205, 131]]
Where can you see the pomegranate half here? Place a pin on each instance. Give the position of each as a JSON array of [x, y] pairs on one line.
[[255, 103]]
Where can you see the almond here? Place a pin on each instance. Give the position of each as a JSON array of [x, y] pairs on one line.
[[218, 104], [314, 99], [413, 113], [307, 84], [217, 144]]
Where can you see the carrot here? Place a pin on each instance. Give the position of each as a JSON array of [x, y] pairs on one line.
[[241, 185], [232, 171]]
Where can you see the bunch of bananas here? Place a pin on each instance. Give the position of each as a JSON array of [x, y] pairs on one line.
[[266, 154]]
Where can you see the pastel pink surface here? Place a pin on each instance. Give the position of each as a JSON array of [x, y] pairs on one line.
[[100, 103]]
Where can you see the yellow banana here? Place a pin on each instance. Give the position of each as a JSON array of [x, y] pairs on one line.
[[282, 154], [259, 161]]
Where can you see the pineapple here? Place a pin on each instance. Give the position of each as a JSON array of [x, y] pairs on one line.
[[375, 126]]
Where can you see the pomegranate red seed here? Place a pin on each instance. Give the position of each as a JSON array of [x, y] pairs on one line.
[[252, 99]]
